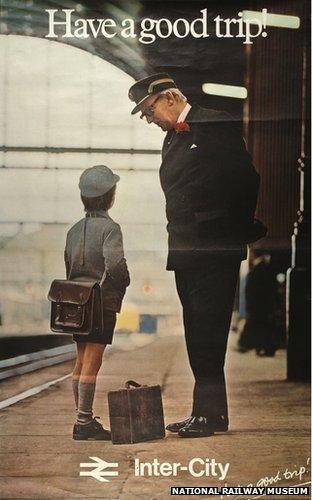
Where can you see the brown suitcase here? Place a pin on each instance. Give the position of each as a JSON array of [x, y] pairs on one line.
[[136, 413]]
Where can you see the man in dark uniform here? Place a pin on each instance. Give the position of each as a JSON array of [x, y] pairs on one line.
[[211, 189]]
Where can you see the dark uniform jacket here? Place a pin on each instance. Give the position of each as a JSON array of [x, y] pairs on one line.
[[211, 188], [94, 248]]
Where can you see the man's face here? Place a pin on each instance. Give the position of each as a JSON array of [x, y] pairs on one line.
[[160, 110]]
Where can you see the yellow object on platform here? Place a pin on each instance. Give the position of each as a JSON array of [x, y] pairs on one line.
[[128, 319]]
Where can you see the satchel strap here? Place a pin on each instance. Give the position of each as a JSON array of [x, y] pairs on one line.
[[83, 242]]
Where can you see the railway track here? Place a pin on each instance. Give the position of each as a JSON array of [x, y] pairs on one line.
[[30, 362], [24, 364]]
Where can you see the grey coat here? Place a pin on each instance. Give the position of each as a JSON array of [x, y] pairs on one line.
[[94, 249]]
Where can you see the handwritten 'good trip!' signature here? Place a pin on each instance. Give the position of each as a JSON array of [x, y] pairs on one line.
[[299, 473]]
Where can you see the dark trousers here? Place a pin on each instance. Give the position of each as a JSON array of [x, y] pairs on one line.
[[207, 296]]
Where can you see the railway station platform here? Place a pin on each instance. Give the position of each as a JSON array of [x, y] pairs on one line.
[[267, 444]]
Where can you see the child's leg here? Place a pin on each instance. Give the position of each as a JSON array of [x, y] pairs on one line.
[[77, 370], [92, 360]]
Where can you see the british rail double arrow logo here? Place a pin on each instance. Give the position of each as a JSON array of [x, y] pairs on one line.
[[99, 471]]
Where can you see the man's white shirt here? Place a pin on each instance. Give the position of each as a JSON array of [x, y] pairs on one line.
[[183, 115]]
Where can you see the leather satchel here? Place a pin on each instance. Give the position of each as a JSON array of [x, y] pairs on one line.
[[75, 307]]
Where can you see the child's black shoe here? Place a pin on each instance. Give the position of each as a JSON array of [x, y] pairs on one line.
[[92, 431]]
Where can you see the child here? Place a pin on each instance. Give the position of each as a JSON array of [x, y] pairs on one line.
[[94, 251]]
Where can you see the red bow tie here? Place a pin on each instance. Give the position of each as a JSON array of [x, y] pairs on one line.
[[181, 127]]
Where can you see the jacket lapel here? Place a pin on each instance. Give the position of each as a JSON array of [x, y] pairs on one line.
[[168, 141], [193, 116]]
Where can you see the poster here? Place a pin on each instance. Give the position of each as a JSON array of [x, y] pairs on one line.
[[66, 71]]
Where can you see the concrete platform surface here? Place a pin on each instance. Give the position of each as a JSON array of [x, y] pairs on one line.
[[268, 440]]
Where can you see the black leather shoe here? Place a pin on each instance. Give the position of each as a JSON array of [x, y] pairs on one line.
[[93, 431], [196, 427], [219, 425], [176, 426]]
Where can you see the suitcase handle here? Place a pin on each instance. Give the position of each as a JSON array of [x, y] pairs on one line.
[[131, 383]]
